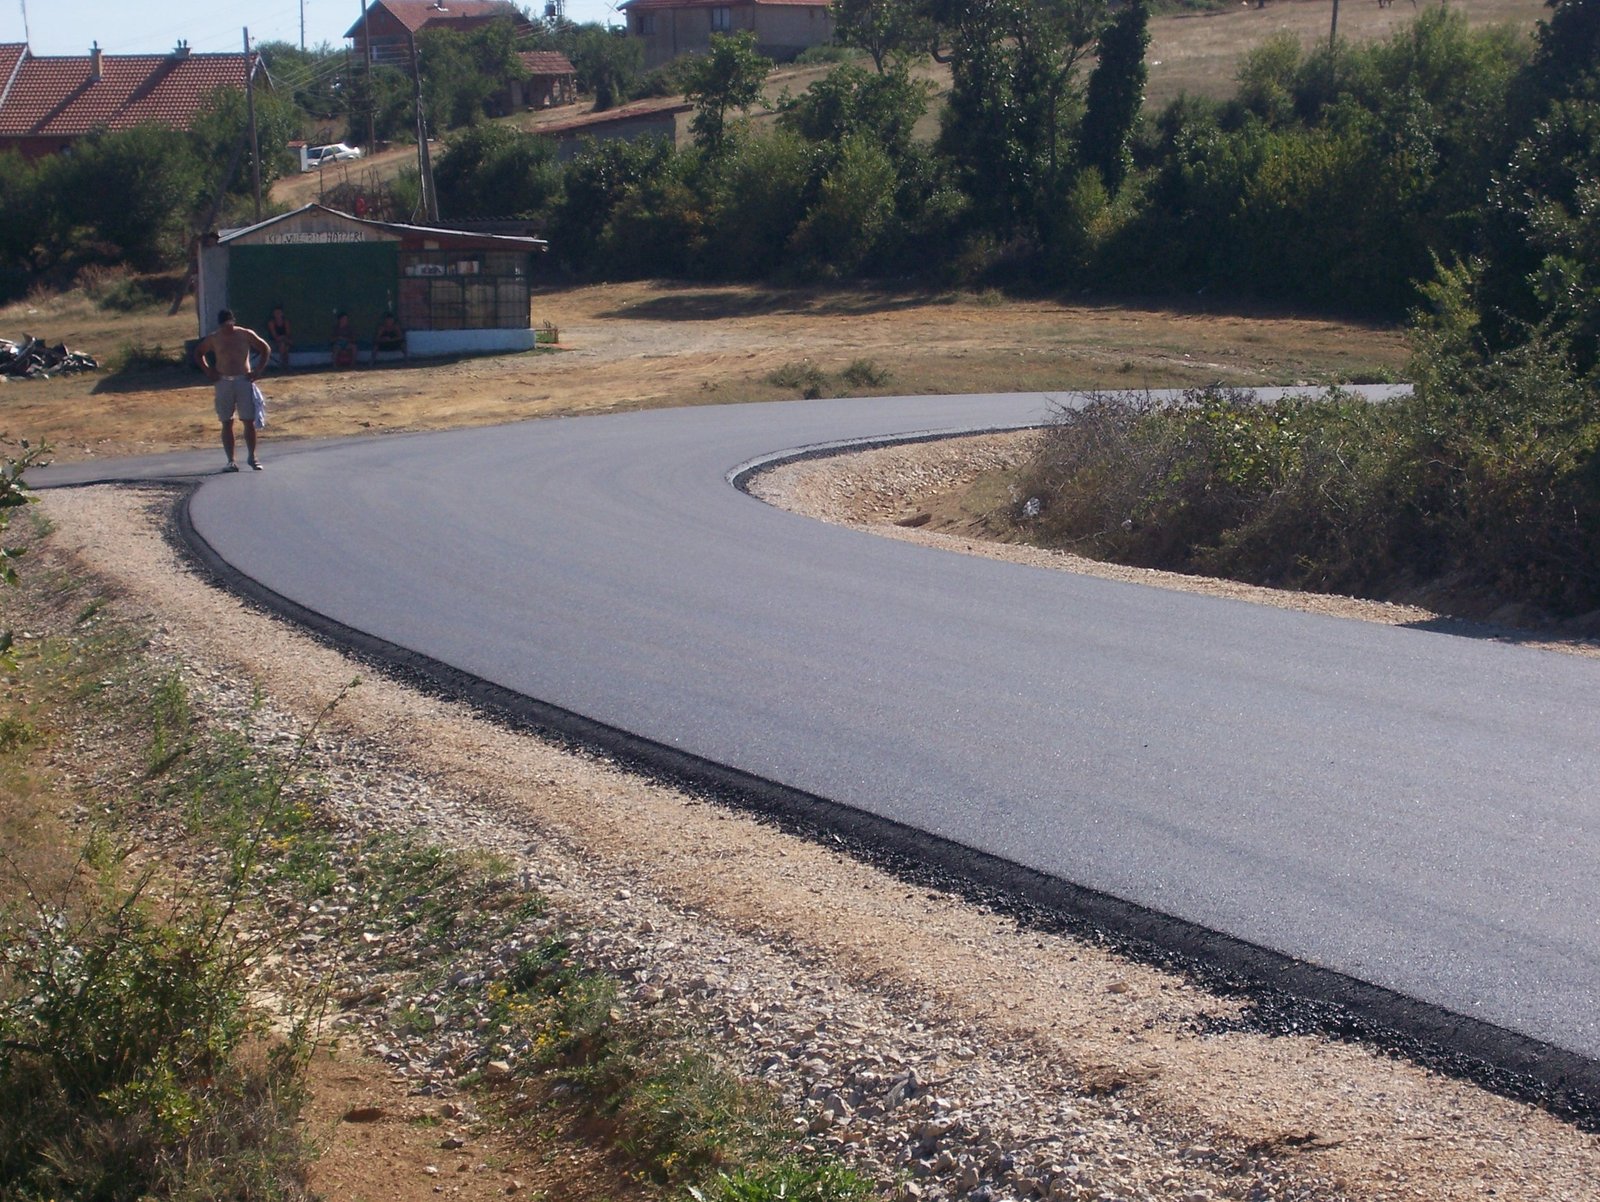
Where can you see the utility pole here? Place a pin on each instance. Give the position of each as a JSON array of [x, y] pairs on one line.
[[430, 199], [250, 104], [26, 36], [1333, 32], [372, 96], [302, 26]]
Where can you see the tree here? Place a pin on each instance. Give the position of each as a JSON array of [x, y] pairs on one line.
[[493, 170], [1116, 93], [728, 79], [849, 101], [222, 128], [1013, 100], [608, 62], [885, 29], [464, 73], [134, 194]]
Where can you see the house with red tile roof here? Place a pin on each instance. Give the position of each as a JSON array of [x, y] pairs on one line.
[[388, 26], [49, 102], [552, 81], [783, 28]]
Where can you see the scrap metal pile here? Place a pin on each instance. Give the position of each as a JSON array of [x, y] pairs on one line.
[[31, 359]]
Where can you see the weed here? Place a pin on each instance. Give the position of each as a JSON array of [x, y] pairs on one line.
[[16, 734], [789, 1181], [864, 373], [137, 358], [804, 377], [170, 722], [133, 1067]]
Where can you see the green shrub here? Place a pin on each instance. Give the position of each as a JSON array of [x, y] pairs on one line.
[[136, 358], [133, 1066], [804, 377], [864, 373]]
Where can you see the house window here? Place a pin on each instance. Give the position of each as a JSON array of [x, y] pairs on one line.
[[647, 24], [721, 20]]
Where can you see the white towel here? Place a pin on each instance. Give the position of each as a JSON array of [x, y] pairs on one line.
[[261, 405]]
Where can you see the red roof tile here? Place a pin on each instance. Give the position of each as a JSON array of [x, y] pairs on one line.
[[547, 62], [11, 56], [414, 14], [58, 97]]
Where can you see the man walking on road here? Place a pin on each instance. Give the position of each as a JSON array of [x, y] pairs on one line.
[[231, 348]]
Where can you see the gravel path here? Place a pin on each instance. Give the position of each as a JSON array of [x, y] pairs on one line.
[[937, 1045]]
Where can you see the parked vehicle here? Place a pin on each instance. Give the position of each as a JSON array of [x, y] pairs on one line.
[[314, 157]]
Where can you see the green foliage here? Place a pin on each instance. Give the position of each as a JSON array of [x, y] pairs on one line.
[[609, 64], [492, 170], [464, 73], [1116, 94], [849, 101], [726, 80], [788, 1181], [127, 1073], [891, 31], [1295, 493], [804, 377], [317, 82], [597, 181], [854, 206], [14, 493], [763, 187], [221, 131], [133, 191]]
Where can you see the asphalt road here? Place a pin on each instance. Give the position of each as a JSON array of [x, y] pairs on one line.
[[1411, 809]]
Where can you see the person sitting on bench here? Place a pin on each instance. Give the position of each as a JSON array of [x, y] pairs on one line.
[[344, 342], [390, 337], [278, 335]]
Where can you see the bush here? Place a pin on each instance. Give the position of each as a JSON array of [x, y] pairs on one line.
[[133, 1068]]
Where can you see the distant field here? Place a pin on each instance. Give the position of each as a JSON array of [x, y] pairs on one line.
[[1199, 54]]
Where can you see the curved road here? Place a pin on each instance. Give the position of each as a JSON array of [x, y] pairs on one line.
[[1410, 809]]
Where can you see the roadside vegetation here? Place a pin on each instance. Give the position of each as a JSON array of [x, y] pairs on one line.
[[154, 1048]]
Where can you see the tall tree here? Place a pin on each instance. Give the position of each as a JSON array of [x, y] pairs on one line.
[[726, 80], [609, 63], [886, 29], [1014, 99], [1116, 93]]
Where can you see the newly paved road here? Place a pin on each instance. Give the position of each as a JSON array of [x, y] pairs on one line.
[[1413, 809]]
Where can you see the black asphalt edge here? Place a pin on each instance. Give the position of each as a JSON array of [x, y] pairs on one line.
[[1286, 996]]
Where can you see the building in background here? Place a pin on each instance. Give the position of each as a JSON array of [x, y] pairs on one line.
[[388, 26], [783, 28], [552, 82], [49, 102]]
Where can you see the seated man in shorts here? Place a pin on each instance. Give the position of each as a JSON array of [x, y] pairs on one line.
[[390, 337], [226, 356]]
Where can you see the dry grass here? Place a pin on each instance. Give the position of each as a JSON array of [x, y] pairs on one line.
[[644, 345], [1199, 54]]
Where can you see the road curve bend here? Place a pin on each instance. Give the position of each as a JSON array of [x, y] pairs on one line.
[[1402, 808]]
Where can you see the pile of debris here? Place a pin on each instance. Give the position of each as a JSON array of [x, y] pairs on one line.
[[31, 359]]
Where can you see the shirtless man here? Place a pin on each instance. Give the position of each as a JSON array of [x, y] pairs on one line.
[[230, 349]]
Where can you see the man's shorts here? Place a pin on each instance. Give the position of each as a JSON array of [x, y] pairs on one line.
[[238, 394]]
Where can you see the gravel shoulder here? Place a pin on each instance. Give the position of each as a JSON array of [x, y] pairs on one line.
[[1043, 1065]]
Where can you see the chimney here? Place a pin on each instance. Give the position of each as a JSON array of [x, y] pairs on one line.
[[95, 62], [181, 50]]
